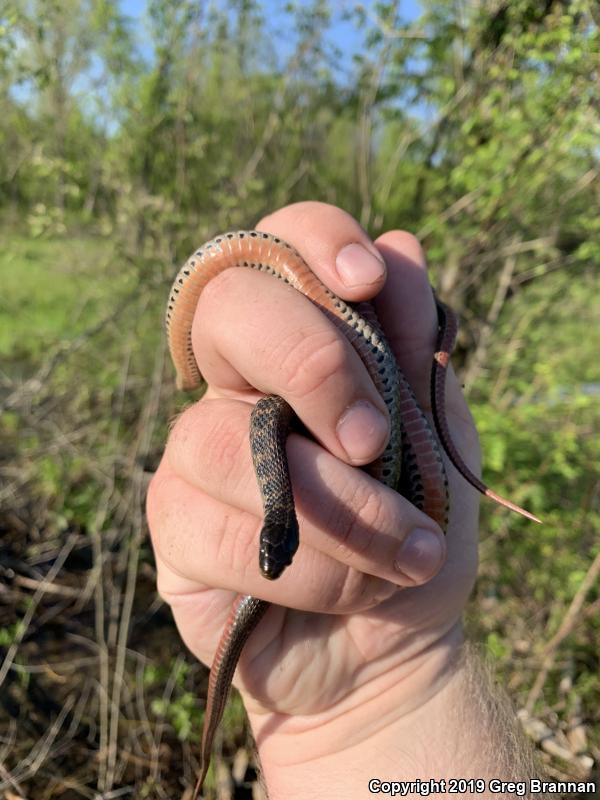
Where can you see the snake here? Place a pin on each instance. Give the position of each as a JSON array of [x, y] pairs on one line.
[[411, 463]]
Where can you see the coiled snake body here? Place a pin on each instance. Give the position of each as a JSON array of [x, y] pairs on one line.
[[411, 462]]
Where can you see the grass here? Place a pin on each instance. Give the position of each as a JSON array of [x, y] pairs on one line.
[[53, 289]]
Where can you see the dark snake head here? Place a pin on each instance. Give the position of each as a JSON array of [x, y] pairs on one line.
[[278, 544]]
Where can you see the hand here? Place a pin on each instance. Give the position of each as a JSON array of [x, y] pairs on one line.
[[364, 609]]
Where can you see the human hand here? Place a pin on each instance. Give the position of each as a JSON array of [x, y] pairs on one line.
[[385, 623]]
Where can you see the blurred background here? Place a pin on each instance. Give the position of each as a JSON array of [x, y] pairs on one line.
[[132, 131]]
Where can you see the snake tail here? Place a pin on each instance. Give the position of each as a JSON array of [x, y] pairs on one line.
[[269, 428], [448, 329], [244, 616]]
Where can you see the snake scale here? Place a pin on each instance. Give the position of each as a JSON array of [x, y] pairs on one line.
[[411, 463]]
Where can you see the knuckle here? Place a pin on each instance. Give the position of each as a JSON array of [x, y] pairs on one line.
[[310, 359]]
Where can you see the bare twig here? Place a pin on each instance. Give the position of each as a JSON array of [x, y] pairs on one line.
[[511, 349], [152, 741], [54, 588], [96, 583], [389, 177], [455, 208], [9, 780], [271, 127], [566, 626], [41, 750], [486, 331], [35, 601]]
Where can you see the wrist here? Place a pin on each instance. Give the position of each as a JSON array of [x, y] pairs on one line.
[[379, 730]]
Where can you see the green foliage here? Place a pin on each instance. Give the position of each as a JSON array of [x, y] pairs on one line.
[[182, 712], [10, 634], [496, 646]]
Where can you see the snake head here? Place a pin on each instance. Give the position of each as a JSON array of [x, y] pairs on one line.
[[279, 539]]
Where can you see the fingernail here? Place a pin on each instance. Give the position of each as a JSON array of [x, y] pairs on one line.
[[362, 431], [356, 266], [420, 555]]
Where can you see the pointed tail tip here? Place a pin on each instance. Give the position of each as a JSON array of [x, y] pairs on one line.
[[512, 506]]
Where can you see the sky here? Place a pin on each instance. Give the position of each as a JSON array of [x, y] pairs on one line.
[[343, 33], [410, 8]]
